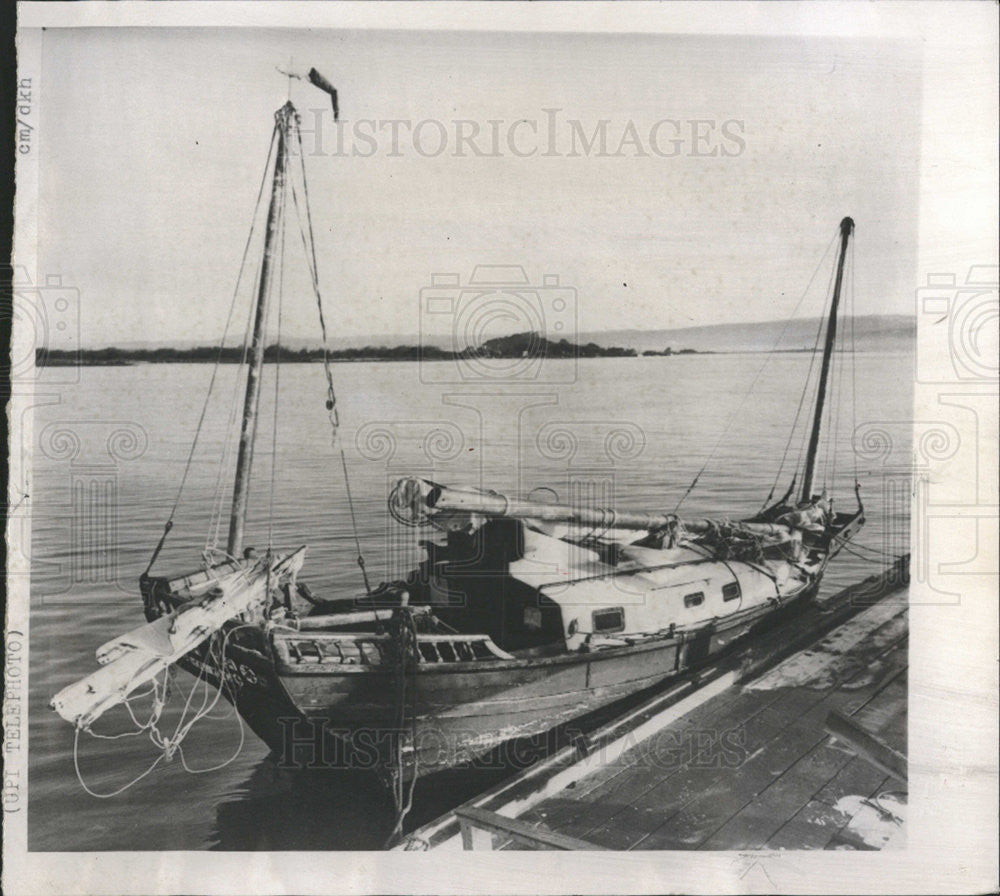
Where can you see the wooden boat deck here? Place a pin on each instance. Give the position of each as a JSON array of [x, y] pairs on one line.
[[754, 767]]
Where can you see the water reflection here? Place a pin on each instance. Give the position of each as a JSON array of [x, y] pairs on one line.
[[280, 809]]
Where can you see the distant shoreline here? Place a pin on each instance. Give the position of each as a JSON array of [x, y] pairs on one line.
[[515, 347], [866, 333], [132, 358]]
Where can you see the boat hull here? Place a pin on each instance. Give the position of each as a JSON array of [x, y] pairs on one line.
[[473, 714], [434, 716]]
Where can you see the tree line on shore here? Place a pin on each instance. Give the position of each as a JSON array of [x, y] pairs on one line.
[[519, 345]]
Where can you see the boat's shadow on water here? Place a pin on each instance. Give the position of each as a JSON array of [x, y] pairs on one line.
[[325, 809], [348, 809]]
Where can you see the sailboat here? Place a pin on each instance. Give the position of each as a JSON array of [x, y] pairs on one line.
[[523, 616]]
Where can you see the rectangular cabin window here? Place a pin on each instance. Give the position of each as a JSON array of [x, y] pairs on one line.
[[731, 591], [610, 620], [695, 599]]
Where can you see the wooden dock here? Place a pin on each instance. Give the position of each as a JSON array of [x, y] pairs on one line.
[[740, 757]]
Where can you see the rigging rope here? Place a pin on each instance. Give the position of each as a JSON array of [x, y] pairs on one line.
[[170, 745], [314, 271], [218, 359], [795, 421], [800, 461], [309, 244], [740, 406]]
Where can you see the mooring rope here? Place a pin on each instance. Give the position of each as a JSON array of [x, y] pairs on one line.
[[875, 555]]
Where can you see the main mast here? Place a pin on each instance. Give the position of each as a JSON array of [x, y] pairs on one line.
[[846, 228], [284, 118]]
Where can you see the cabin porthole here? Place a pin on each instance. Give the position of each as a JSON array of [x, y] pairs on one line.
[[695, 599]]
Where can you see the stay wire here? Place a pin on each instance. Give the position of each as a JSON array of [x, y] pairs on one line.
[[835, 444], [812, 362], [314, 269], [225, 332], [879, 557], [310, 248], [228, 453], [229, 446], [828, 452], [767, 359], [280, 211], [795, 422]]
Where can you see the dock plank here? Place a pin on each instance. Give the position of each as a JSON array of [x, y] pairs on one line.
[[818, 821], [606, 810], [624, 808], [597, 795], [747, 805], [613, 784], [677, 791], [760, 822]]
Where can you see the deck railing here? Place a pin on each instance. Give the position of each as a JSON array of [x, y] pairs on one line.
[[369, 649]]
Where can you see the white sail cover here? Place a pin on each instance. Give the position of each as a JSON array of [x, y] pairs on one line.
[[132, 659]]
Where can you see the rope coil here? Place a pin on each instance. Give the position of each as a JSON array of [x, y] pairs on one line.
[[171, 745]]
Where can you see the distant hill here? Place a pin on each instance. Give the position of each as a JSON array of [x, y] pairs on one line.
[[520, 345], [887, 332]]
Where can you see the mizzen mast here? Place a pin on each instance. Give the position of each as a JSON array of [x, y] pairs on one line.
[[284, 119], [846, 228]]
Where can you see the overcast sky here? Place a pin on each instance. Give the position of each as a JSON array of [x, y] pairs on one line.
[[727, 166]]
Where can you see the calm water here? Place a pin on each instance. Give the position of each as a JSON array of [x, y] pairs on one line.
[[109, 453]]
